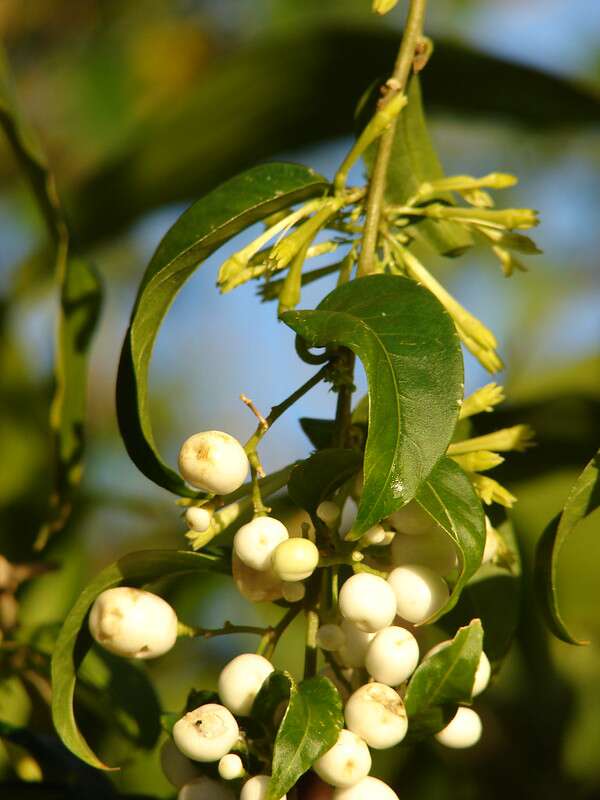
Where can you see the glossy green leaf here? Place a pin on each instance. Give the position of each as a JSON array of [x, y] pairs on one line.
[[494, 595], [448, 496], [316, 478], [274, 691], [310, 727], [74, 641], [203, 228], [583, 499], [442, 681], [80, 293], [413, 162], [411, 354]]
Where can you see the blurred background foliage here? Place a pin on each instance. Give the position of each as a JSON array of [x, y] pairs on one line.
[[142, 106]]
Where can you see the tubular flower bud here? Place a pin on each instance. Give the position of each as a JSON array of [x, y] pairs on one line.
[[376, 713], [392, 656], [213, 461], [133, 623], [491, 542], [368, 789], [295, 559], [330, 637], [367, 601], [256, 541], [420, 592], [256, 788], [240, 681], [207, 733], [346, 763], [481, 400], [464, 730], [198, 519]]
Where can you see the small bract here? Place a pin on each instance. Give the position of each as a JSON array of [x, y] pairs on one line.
[[213, 461], [133, 623], [464, 730], [207, 733], [392, 656], [240, 681], [420, 592], [367, 601], [346, 763], [367, 789], [376, 713], [255, 542]]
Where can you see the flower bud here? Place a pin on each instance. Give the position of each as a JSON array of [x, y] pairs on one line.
[[367, 601], [240, 681], [346, 763], [491, 543], [420, 592], [464, 730], [328, 512], [330, 637], [295, 559], [207, 733], [392, 656], [205, 788], [368, 789], [133, 623], [256, 541], [434, 549], [376, 713], [213, 461], [231, 767], [383, 6], [256, 788], [198, 519]]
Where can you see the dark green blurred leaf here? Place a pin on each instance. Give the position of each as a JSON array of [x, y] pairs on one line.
[[74, 640], [203, 228], [442, 681], [448, 496], [410, 351], [310, 727], [274, 691], [293, 106], [583, 499], [319, 431], [316, 478], [494, 596]]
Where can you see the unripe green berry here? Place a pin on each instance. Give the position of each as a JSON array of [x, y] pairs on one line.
[[295, 559]]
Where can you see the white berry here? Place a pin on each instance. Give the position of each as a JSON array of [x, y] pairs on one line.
[[133, 623], [346, 763], [482, 673], [256, 788], [328, 512], [240, 682], [205, 788], [178, 769], [367, 789], [231, 767], [213, 461], [433, 549], [256, 541], [491, 543], [330, 637], [295, 559], [464, 730], [392, 656], [367, 601], [293, 592], [412, 520], [354, 651], [374, 536], [255, 586], [420, 592], [207, 733], [376, 713], [198, 519]]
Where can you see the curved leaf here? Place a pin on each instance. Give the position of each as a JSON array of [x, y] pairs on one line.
[[411, 354], [310, 727], [442, 681], [317, 477], [203, 228], [274, 691], [583, 499], [74, 640], [448, 496]]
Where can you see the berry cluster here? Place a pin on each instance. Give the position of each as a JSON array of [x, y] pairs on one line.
[[369, 636]]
